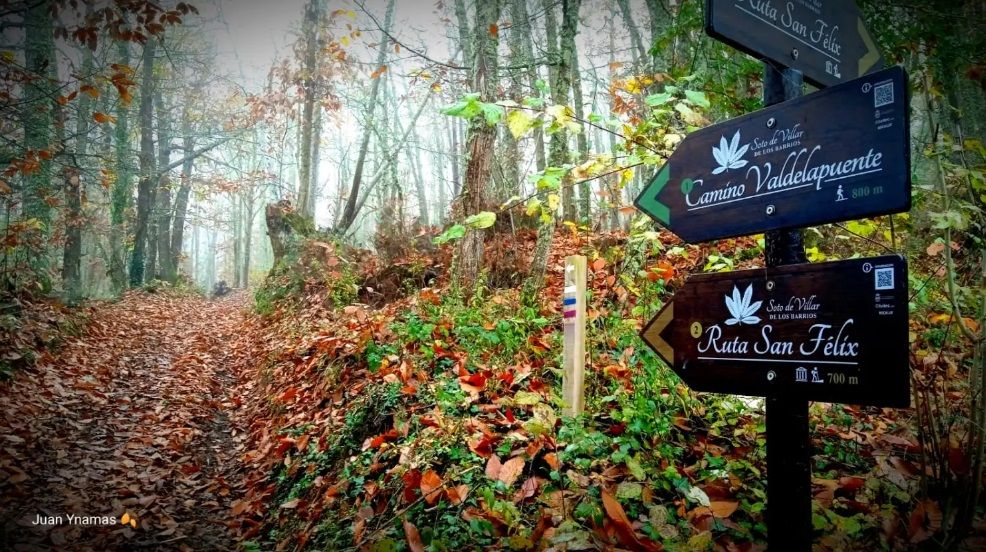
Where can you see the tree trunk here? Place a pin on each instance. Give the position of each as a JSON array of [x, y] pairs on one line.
[[438, 162], [181, 199], [635, 40], [72, 257], [525, 34], [247, 237], [38, 120], [613, 181], [419, 178], [465, 32], [560, 77], [480, 147], [166, 271], [349, 213], [145, 187], [557, 155], [659, 13], [313, 10], [121, 192], [569, 28], [454, 140]]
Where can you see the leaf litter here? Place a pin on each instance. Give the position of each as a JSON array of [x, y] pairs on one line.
[[130, 420]]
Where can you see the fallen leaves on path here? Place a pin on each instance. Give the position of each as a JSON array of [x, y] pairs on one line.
[[129, 422]]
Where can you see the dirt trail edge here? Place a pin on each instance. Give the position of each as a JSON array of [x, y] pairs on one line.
[[131, 418]]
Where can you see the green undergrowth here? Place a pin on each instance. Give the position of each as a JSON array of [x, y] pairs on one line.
[[664, 454], [299, 273]]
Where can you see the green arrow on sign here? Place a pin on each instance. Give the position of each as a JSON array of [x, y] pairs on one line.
[[647, 200]]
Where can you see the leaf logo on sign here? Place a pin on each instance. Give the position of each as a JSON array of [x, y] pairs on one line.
[[740, 307], [729, 155]]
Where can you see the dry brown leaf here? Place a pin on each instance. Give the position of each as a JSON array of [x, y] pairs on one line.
[[457, 495], [624, 529], [493, 467], [511, 471], [413, 537], [723, 508]]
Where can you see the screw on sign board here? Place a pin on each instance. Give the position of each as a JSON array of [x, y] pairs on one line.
[[839, 154], [832, 332], [824, 39]]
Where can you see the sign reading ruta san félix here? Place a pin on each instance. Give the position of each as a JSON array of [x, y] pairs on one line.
[[824, 39], [838, 154], [831, 332]]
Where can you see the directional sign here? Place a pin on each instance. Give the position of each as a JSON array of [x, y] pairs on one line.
[[824, 39], [838, 154], [831, 332]]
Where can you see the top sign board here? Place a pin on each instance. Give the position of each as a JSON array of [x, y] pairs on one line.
[[839, 154], [824, 39]]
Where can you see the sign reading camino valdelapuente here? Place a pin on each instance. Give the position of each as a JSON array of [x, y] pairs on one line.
[[824, 39], [839, 154], [832, 332]]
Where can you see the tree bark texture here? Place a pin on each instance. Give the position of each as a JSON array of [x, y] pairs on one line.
[[145, 186], [480, 146]]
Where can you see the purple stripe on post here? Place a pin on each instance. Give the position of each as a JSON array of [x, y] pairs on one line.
[[569, 314]]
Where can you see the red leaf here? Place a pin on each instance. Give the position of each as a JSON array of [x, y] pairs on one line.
[[412, 482], [851, 484], [431, 484], [288, 394], [483, 447]]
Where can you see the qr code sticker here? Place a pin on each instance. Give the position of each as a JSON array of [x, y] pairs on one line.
[[883, 94], [884, 278]]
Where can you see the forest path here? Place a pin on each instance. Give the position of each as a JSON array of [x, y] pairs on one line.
[[133, 416]]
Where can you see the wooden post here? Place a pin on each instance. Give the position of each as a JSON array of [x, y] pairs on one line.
[[789, 525], [573, 309]]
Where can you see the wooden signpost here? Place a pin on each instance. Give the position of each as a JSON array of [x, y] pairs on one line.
[[838, 154], [573, 320], [824, 39], [832, 332], [792, 332]]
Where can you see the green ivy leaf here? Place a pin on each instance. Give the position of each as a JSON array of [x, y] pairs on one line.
[[655, 100], [453, 233], [467, 108], [697, 98], [491, 112]]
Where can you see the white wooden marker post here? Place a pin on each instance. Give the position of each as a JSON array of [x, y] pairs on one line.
[[573, 320]]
